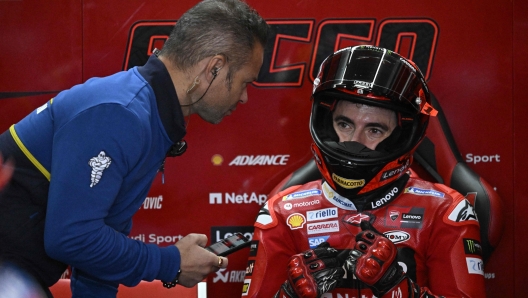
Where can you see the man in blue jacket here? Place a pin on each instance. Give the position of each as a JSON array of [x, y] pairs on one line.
[[86, 159]]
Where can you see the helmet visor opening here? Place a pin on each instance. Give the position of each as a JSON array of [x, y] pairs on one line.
[[324, 132]]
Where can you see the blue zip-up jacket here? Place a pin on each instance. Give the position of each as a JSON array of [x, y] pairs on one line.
[[100, 145]]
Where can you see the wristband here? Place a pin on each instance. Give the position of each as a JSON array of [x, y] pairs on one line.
[[172, 284]]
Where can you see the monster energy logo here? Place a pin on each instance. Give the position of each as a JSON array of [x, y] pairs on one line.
[[472, 247]]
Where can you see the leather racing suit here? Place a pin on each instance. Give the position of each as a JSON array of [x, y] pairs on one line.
[[433, 226]]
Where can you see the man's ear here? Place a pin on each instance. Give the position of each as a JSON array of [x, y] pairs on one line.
[[215, 65]]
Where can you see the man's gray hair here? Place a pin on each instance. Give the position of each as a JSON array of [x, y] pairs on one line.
[[211, 27]]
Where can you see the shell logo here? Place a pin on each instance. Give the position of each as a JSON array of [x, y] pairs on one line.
[[217, 160], [296, 221]]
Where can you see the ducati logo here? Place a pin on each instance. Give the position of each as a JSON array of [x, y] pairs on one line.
[[394, 215]]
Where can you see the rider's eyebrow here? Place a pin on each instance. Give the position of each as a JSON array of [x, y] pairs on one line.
[[379, 125]]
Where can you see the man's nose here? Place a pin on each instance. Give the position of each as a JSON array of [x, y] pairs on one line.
[[357, 137]]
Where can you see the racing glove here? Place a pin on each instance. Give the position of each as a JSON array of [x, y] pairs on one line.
[[312, 273], [373, 261]]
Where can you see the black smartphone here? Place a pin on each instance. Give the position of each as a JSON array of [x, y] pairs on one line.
[[229, 245]]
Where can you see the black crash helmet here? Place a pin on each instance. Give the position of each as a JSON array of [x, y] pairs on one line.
[[377, 77]]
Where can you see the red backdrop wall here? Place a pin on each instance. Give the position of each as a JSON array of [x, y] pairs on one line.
[[472, 53]]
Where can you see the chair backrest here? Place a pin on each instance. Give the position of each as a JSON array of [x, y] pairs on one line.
[[437, 159]]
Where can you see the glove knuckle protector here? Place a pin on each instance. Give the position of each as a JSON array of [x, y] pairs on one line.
[[314, 272], [373, 261]]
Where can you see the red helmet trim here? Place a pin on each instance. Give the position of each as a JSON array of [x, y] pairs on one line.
[[322, 166]]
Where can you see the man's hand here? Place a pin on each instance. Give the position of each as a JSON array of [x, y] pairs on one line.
[[373, 260], [196, 261], [312, 273]]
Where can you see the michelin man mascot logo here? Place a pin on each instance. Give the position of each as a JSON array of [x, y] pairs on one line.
[[99, 164]]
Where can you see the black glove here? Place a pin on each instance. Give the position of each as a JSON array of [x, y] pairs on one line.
[[312, 273], [373, 261]]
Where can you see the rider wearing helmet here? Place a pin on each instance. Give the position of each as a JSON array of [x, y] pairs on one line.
[[370, 226], [373, 77]]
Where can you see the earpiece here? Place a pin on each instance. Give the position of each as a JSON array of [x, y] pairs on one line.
[[215, 71], [196, 82]]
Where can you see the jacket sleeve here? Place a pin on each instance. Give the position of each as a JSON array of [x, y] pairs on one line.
[[454, 256], [80, 229]]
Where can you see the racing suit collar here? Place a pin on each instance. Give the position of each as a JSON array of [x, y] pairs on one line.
[[370, 201], [169, 110], [385, 195], [338, 200]]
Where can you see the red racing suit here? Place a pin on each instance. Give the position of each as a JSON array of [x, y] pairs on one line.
[[434, 228]]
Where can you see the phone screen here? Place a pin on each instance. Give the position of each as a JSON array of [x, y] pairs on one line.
[[229, 245]]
